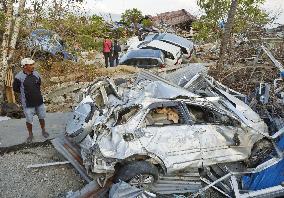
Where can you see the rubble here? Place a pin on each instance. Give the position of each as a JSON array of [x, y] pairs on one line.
[[43, 43], [123, 128], [124, 190], [11, 110], [62, 94], [105, 122]]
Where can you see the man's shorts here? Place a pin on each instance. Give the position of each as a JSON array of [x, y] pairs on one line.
[[31, 111]]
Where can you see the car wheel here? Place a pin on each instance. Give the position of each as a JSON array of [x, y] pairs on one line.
[[140, 174]]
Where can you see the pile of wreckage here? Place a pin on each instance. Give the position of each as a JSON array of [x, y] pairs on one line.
[[157, 50], [244, 47], [181, 132]]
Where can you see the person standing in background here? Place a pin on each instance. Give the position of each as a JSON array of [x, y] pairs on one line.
[[115, 52], [107, 50]]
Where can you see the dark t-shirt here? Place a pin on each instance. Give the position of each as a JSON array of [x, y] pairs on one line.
[[28, 85]]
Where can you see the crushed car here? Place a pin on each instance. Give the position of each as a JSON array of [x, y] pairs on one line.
[[173, 54], [45, 43], [140, 130], [186, 45], [143, 58]]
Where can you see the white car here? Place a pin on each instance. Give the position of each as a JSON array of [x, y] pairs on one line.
[[143, 131], [185, 44], [173, 54], [132, 42]]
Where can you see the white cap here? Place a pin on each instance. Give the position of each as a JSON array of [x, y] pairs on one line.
[[27, 61]]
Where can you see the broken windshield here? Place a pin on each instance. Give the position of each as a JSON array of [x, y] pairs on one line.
[[202, 115]]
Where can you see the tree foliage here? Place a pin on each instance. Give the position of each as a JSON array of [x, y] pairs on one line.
[[249, 15], [69, 21], [80, 30], [132, 17], [147, 23]]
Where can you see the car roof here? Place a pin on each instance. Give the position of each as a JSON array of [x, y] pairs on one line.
[[178, 40], [143, 53], [164, 46], [151, 37]]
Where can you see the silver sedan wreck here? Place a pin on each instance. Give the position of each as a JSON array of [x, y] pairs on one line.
[[140, 130]]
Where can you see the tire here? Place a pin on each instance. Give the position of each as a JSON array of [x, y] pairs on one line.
[[137, 169]]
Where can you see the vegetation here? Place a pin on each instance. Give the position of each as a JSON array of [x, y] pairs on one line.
[[248, 15], [147, 23], [86, 31], [132, 17]]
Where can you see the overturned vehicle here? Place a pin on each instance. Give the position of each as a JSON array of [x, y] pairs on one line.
[[44, 43], [140, 131]]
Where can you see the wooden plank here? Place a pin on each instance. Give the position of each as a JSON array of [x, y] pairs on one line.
[[47, 164], [10, 95], [9, 78]]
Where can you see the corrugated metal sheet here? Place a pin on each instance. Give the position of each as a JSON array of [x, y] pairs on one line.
[[184, 74]]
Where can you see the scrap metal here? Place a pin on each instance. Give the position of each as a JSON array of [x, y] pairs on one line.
[[108, 126]]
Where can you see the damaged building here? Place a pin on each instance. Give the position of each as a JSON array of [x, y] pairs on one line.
[[180, 18]]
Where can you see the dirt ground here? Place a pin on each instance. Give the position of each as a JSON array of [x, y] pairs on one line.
[[16, 180]]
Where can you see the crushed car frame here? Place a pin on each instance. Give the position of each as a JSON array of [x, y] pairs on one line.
[[140, 131]]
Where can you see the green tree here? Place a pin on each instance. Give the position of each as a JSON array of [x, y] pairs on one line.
[[248, 15], [147, 22], [132, 16]]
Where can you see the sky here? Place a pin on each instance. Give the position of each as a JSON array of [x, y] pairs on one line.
[[154, 7]]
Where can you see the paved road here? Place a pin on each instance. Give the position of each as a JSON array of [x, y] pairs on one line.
[[13, 132]]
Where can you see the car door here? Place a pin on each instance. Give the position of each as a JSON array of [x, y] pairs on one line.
[[221, 137], [166, 134]]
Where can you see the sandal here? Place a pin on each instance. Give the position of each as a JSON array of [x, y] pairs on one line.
[[29, 139], [45, 134]]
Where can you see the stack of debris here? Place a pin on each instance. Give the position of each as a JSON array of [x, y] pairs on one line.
[[125, 133]]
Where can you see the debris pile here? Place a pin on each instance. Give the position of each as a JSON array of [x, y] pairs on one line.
[[61, 93], [125, 132], [11, 110], [157, 50]]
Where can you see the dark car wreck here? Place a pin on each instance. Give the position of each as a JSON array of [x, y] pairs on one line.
[[44, 43], [140, 131]]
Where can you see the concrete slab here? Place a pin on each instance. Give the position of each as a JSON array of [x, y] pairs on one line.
[[13, 132]]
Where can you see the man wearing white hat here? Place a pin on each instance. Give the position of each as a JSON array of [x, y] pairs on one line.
[[27, 83]]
